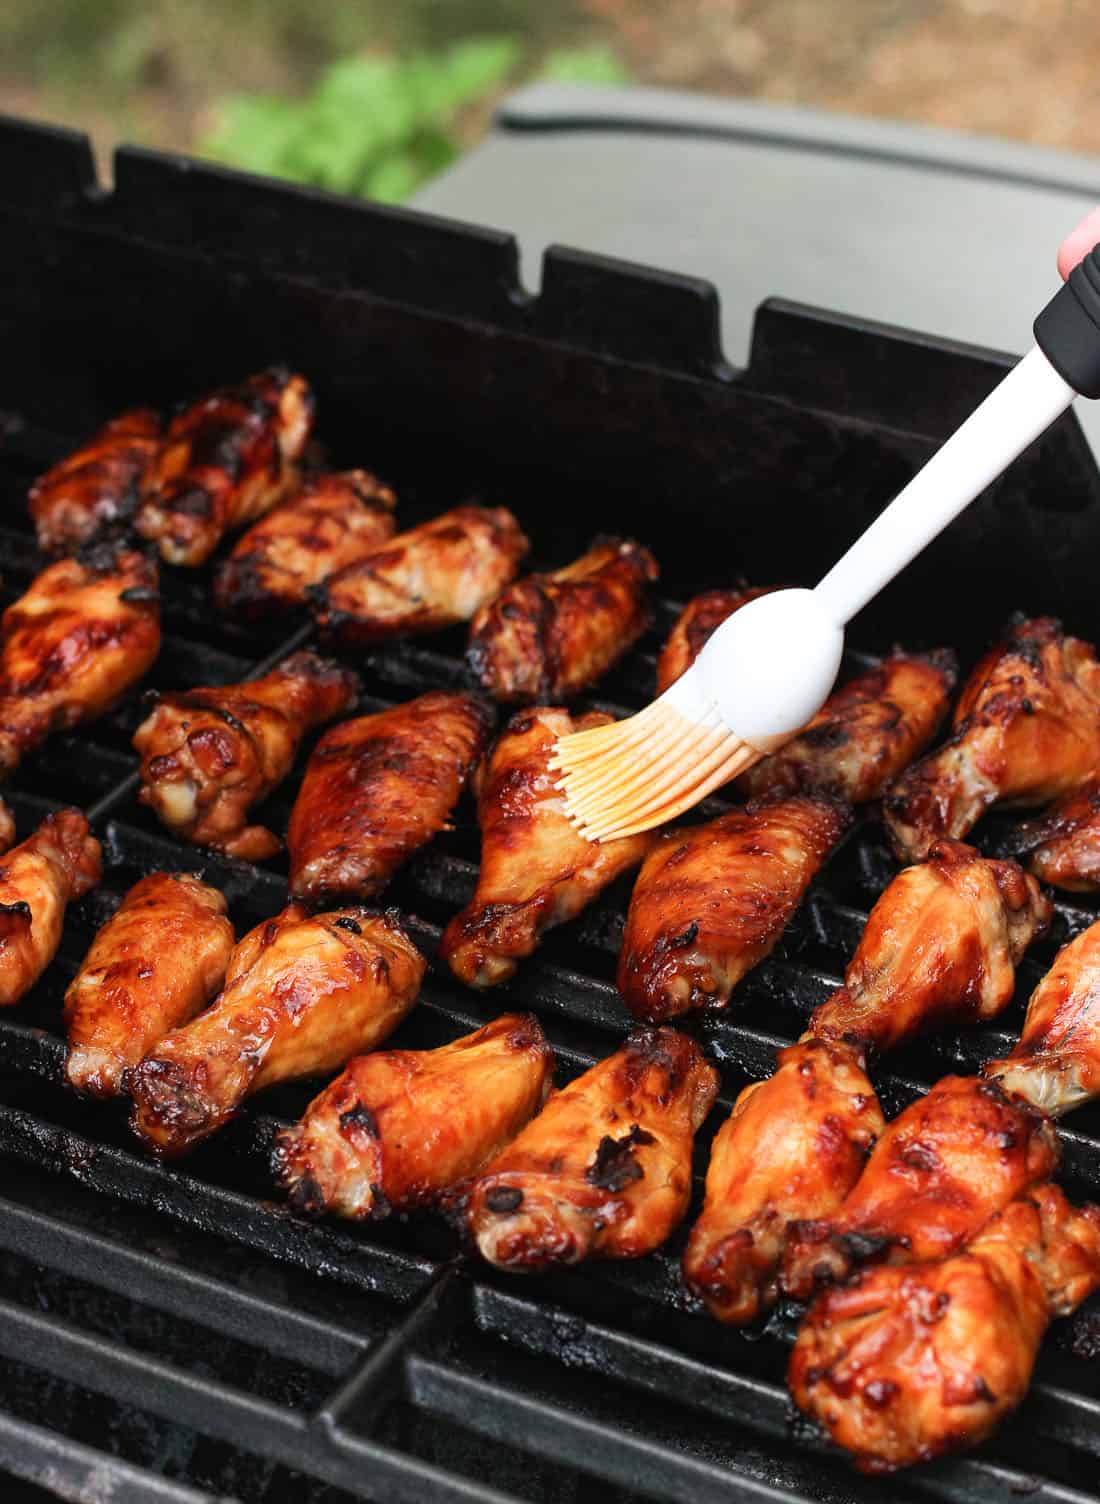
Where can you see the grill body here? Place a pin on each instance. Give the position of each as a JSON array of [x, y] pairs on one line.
[[173, 1333]]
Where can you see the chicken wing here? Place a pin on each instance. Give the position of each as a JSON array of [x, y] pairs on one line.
[[98, 485], [378, 788], [159, 959], [701, 617], [536, 871], [711, 901], [208, 755], [302, 996], [1026, 731], [38, 880], [400, 1128], [938, 1173], [1064, 842], [332, 521], [604, 1171], [85, 631], [549, 636], [226, 460], [431, 577], [904, 1364], [1056, 1064], [864, 734]]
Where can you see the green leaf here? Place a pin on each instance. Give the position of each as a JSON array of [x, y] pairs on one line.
[[585, 65]]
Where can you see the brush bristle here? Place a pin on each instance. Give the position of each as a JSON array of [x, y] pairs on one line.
[[636, 774]]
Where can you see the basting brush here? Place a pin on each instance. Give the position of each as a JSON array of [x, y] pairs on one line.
[[770, 666]]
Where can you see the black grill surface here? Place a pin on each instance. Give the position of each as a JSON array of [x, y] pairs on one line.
[[174, 1333]]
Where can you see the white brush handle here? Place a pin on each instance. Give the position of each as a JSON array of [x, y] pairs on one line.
[[1014, 414]]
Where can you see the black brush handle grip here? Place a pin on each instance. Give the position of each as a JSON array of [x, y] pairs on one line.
[[1068, 329]]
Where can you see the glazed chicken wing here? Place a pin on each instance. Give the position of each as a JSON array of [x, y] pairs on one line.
[[906, 1363], [158, 960], [938, 1173], [604, 1171], [98, 485], [1026, 731], [38, 880], [549, 636], [208, 755], [226, 460], [699, 619], [536, 871], [711, 901], [302, 995], [401, 1128], [1064, 842], [376, 789], [430, 577], [332, 521], [85, 631]]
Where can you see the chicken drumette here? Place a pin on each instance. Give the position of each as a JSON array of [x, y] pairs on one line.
[[159, 959], [536, 871], [1026, 731], [549, 636], [711, 901], [604, 1171], [86, 630], [401, 1128], [430, 577], [98, 485], [38, 880], [208, 755], [701, 617], [379, 787], [333, 520], [302, 996], [225, 460]]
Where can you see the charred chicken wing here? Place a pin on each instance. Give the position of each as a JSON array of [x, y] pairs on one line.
[[400, 1128], [431, 577], [332, 521], [38, 880], [604, 1171], [376, 789], [1026, 731], [699, 619], [225, 461], [1065, 841], [154, 964], [99, 485], [208, 755], [549, 636], [536, 871], [711, 901], [85, 631], [906, 1363], [302, 995]]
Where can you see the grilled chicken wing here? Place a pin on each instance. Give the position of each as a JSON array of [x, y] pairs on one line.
[[208, 755], [332, 521], [699, 619], [158, 960], [549, 636], [38, 880], [1026, 731], [302, 995], [430, 577], [711, 901], [938, 1173], [376, 789], [400, 1128], [604, 1171], [225, 460], [536, 871], [96, 486], [1064, 842], [85, 631], [864, 734], [904, 1364], [1056, 1064]]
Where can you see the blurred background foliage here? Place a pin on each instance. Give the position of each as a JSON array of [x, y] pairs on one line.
[[375, 95]]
